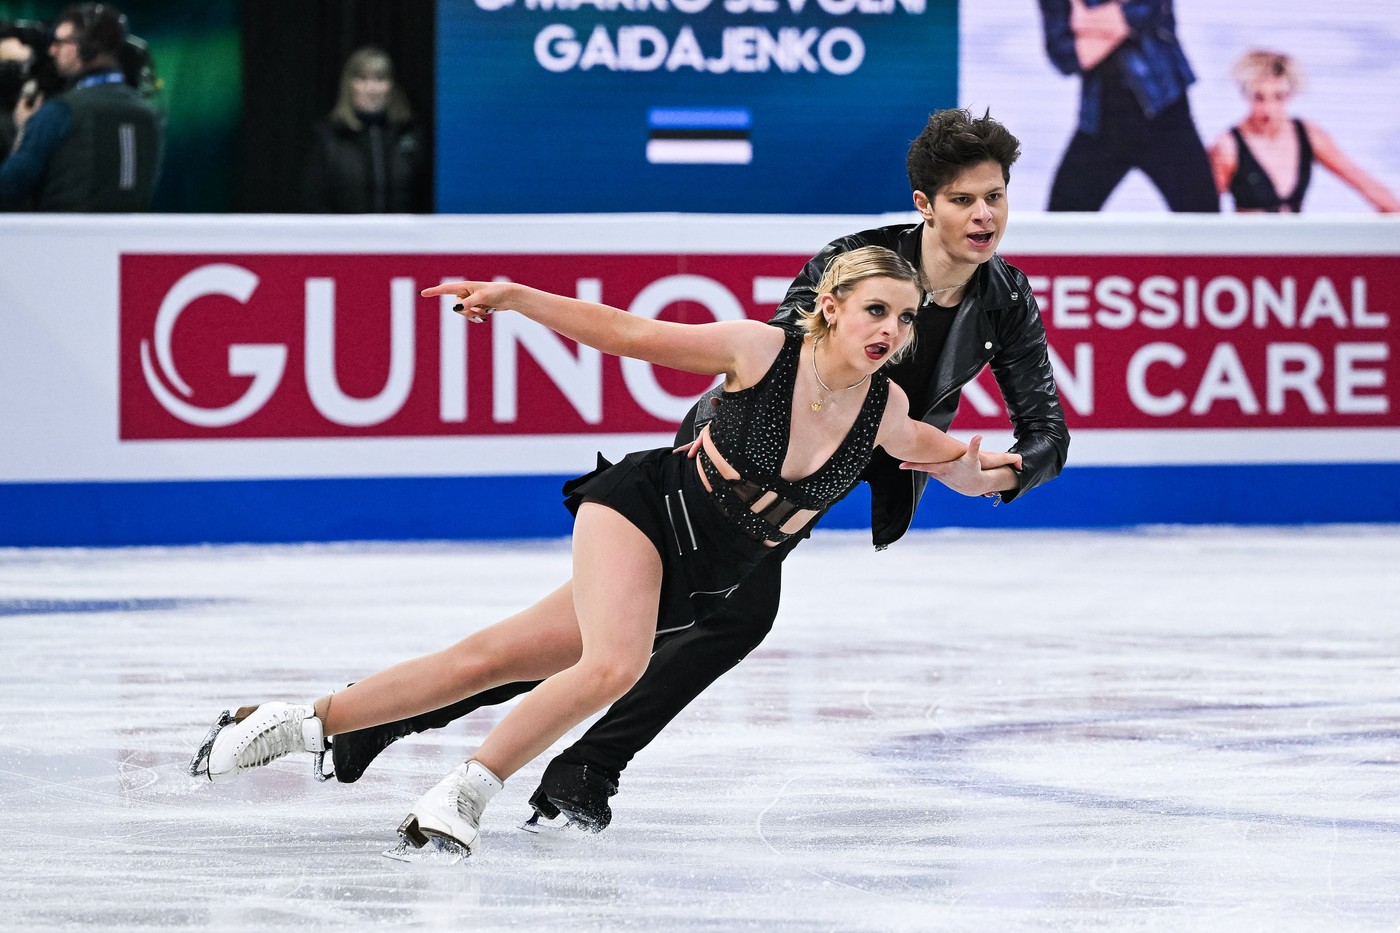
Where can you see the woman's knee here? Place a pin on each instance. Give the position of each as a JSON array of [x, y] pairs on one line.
[[609, 678]]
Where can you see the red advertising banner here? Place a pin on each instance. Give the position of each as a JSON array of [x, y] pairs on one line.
[[333, 346], [1222, 341], [279, 346]]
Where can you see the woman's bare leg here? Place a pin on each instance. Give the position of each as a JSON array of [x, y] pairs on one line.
[[616, 589], [530, 645]]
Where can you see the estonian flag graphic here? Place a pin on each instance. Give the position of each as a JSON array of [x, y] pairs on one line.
[[695, 137]]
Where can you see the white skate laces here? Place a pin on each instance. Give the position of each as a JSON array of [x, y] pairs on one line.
[[450, 813], [254, 736]]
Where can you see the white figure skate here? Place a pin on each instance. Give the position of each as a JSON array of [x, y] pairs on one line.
[[449, 814], [256, 735]]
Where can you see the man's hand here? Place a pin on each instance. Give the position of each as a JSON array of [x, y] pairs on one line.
[[690, 449], [1097, 31], [974, 473], [1106, 20], [25, 108]]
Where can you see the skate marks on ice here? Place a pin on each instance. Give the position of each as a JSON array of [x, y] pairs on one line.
[[34, 607], [1162, 730]]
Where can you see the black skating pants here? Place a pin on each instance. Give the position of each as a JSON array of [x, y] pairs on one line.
[[682, 665], [1166, 148]]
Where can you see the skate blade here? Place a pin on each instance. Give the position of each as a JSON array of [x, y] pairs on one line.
[[199, 764], [318, 766], [577, 821], [563, 824], [437, 851], [420, 845]]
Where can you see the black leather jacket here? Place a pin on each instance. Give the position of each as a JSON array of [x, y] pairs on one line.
[[997, 323]]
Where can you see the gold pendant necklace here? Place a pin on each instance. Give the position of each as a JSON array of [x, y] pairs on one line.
[[826, 391]]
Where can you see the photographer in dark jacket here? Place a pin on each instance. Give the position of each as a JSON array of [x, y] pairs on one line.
[[367, 157], [18, 55], [96, 147], [978, 312]]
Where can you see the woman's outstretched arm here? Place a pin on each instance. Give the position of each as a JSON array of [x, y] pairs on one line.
[[917, 442], [729, 347], [1365, 184]]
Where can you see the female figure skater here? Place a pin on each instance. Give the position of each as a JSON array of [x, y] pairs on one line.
[[1265, 162], [656, 535]]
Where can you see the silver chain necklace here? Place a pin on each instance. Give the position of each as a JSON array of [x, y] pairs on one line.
[[949, 288], [827, 392]]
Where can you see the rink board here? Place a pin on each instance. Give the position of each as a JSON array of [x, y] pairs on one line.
[[423, 508], [222, 379]]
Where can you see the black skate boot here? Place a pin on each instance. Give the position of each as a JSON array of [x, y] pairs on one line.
[[576, 792], [352, 752]]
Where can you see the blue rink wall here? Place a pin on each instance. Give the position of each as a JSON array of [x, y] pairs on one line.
[[418, 508]]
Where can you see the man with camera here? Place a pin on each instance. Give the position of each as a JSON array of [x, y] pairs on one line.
[[95, 148]]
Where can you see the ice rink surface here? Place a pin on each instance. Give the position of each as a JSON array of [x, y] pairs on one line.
[[1151, 730]]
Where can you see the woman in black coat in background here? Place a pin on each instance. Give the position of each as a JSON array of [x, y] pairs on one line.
[[367, 157]]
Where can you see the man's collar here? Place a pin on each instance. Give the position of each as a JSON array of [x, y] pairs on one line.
[[101, 76]]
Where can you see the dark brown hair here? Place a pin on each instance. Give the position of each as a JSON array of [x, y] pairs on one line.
[[954, 140]]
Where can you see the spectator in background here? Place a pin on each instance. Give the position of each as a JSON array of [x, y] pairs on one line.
[[367, 157], [16, 61], [1269, 153], [96, 147], [1133, 111], [25, 71]]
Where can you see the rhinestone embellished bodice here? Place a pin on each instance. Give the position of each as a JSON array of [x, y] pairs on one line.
[[751, 430]]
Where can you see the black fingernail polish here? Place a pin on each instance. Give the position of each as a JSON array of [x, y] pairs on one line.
[[457, 307]]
